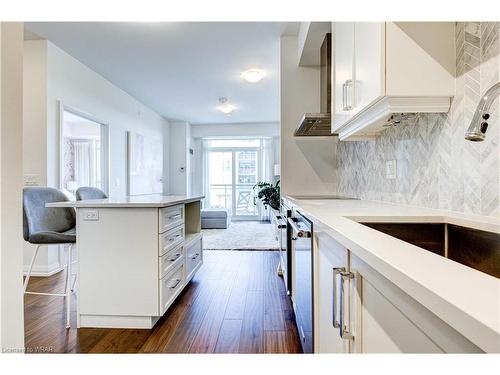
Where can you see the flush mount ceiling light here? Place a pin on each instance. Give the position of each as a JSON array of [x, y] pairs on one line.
[[225, 107], [252, 75]]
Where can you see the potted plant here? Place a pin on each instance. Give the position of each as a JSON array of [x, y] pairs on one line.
[[268, 193]]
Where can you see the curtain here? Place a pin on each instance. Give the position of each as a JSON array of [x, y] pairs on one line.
[[205, 172], [82, 164]]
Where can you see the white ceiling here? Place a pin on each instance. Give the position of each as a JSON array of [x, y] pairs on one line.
[[181, 69]]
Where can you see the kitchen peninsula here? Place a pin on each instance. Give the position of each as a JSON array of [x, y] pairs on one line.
[[135, 255]]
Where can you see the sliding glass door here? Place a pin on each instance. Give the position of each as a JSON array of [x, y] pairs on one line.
[[246, 175], [234, 167]]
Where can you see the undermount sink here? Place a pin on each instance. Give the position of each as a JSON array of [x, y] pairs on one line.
[[471, 247]]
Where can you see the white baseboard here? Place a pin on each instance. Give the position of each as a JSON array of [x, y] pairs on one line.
[[43, 270]]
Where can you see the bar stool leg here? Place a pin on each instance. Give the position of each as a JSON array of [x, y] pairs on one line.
[[31, 268], [68, 290]]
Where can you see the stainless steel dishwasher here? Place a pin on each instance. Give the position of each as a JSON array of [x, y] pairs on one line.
[[302, 246]]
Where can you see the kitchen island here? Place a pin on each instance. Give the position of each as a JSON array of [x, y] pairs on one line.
[[135, 256], [397, 296]]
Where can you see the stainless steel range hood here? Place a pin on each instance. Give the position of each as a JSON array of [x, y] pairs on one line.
[[319, 124]]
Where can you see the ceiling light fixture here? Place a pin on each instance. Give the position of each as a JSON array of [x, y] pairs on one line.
[[252, 75], [225, 107]]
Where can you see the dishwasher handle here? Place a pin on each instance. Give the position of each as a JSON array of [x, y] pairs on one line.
[[298, 232]]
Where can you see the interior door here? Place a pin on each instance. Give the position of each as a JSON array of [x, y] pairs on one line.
[[343, 35], [369, 57]]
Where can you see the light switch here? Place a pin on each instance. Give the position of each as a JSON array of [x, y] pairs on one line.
[[391, 169], [91, 215], [31, 180]]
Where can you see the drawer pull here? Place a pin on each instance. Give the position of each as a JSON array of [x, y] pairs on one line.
[[175, 257], [177, 282], [171, 239], [173, 217], [195, 256]]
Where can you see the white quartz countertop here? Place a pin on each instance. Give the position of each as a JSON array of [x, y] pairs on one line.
[[151, 200], [468, 300]]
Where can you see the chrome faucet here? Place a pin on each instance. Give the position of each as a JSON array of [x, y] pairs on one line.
[[478, 126]]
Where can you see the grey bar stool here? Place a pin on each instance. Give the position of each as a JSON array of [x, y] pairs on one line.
[[49, 226], [87, 192]]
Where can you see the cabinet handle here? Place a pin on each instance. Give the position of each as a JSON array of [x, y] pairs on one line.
[[195, 256], [175, 258], [344, 328], [177, 281], [302, 334], [301, 233], [174, 216], [336, 271], [174, 237], [347, 94]]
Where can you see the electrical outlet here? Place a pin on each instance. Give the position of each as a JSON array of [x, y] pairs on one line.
[[31, 180], [390, 169], [91, 215]]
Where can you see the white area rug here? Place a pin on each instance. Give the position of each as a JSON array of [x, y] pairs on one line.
[[241, 235]]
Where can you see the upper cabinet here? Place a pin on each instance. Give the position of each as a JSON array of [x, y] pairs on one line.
[[383, 69]]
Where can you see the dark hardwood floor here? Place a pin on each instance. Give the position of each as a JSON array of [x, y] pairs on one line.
[[236, 303]]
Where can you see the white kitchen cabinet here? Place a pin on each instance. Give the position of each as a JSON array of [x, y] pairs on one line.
[[343, 72], [133, 263], [383, 69], [387, 320], [369, 57], [377, 316], [331, 258]]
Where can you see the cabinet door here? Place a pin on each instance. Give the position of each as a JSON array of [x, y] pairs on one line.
[[369, 62], [330, 255], [343, 36], [387, 320]]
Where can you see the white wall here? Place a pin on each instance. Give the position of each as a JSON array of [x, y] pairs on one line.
[[55, 76], [76, 85], [308, 164], [180, 161], [11, 124], [266, 129]]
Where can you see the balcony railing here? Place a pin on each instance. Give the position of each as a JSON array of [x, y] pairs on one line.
[[221, 196]]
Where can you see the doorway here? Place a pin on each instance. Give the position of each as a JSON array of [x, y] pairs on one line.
[[234, 167], [83, 152]]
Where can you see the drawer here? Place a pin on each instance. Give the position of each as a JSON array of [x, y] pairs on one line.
[[194, 257], [170, 217], [170, 287], [170, 260], [170, 239]]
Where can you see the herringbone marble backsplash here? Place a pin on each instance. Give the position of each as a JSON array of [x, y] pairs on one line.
[[436, 166]]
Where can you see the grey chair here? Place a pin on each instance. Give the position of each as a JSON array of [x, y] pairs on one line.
[[49, 226], [87, 192]]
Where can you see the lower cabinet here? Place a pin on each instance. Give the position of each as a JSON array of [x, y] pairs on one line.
[[361, 311], [194, 256], [387, 320], [170, 287], [331, 261]]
